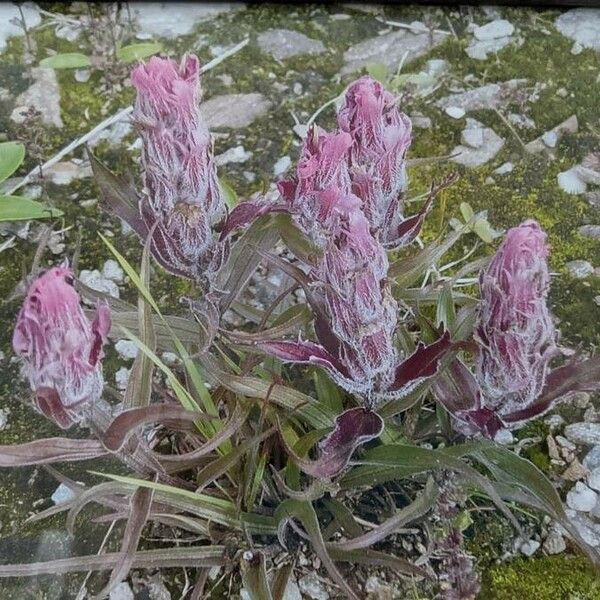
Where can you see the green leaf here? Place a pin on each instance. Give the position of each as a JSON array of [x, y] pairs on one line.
[[446, 312], [377, 71], [466, 211], [484, 230], [17, 208], [254, 576], [11, 157], [231, 197], [138, 51], [68, 60]]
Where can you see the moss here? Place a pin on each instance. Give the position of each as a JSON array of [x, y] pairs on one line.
[[548, 578]]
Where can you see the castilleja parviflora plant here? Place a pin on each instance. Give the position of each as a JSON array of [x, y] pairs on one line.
[[346, 386]]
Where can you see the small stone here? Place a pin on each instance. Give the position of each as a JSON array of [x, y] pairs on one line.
[[285, 43], [575, 471], [592, 458], [581, 25], [565, 443], [95, 280], [581, 498], [492, 95], [494, 30], [281, 166], [127, 349], [529, 548], [554, 421], [169, 358], [475, 157], [584, 433], [43, 95], [576, 48], [571, 182], [579, 269], [552, 448], [112, 270], [122, 377], [504, 437], [62, 494], [297, 88], [121, 592], [550, 138], [455, 112], [580, 399], [238, 154], [590, 231], [554, 543], [234, 111], [585, 527], [504, 168], [593, 479], [473, 137], [311, 586], [421, 122], [65, 172]]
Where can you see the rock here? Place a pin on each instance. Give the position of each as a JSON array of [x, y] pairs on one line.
[[565, 443], [552, 448], [121, 592], [68, 31], [421, 122], [4, 412], [9, 12], [62, 494], [504, 168], [490, 37], [455, 112], [529, 548], [570, 181], [581, 25], [592, 459], [95, 280], [65, 172], [579, 399], [379, 590], [586, 528], [127, 349], [593, 479], [521, 120], [285, 43], [491, 144], [493, 95], [238, 154], [504, 437], [473, 137], [590, 231], [311, 586], [389, 49], [581, 498], [292, 591], [281, 166], [234, 111], [580, 269], [554, 543], [114, 134], [494, 30], [169, 358], [575, 471], [82, 75], [112, 270], [583, 433], [173, 19], [550, 138], [576, 49], [122, 377], [43, 95]]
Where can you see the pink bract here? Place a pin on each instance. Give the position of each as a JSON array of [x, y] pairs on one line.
[[62, 350]]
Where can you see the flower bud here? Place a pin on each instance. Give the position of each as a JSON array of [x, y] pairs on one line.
[[514, 330], [61, 349], [182, 199]]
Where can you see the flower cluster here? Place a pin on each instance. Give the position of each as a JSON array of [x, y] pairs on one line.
[[181, 200], [62, 350]]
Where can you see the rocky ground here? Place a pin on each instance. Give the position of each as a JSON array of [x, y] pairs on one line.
[[508, 96]]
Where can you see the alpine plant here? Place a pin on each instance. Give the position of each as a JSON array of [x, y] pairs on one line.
[[515, 340], [61, 349], [181, 200]]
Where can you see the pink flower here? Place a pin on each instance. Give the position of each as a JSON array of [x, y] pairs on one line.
[[381, 135], [181, 197], [514, 329], [62, 350]]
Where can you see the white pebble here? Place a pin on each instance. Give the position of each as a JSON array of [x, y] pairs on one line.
[[582, 498], [126, 348], [455, 112]]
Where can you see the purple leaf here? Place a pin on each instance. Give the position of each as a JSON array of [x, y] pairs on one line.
[[247, 212], [353, 428], [572, 377], [50, 450], [403, 234], [423, 363]]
